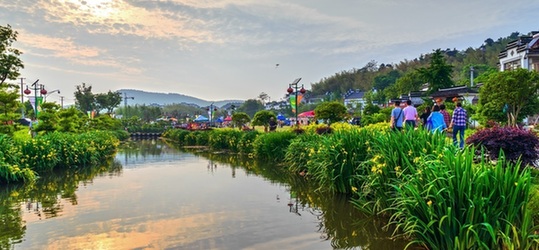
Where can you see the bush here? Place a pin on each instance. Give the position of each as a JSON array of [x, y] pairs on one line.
[[225, 139], [245, 144], [513, 141], [272, 146]]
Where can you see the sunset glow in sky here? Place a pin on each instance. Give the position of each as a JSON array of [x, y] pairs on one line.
[[229, 49]]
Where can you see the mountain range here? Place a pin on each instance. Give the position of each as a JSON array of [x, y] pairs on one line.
[[141, 97]]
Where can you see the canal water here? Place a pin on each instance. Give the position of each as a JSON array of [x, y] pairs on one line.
[[155, 196]]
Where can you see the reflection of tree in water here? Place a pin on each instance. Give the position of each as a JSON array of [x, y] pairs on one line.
[[338, 220], [133, 152], [143, 147], [44, 198]]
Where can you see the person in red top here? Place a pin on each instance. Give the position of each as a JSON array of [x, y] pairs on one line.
[[447, 116]]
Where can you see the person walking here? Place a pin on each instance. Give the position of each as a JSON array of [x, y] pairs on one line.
[[410, 115], [436, 120], [458, 123], [425, 116], [447, 116], [397, 117]]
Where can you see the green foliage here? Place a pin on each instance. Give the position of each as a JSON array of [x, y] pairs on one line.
[[251, 106], [84, 98], [48, 118], [262, 118], [143, 112], [518, 89], [438, 73], [105, 122], [272, 146], [371, 109], [9, 107], [11, 169], [239, 119], [71, 120], [108, 101], [392, 159], [10, 63], [331, 112], [225, 139], [332, 160], [245, 144], [452, 203]]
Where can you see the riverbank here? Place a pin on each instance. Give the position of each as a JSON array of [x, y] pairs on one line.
[[434, 193]]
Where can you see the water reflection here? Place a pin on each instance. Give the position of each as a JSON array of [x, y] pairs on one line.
[[166, 198], [133, 153], [44, 199], [338, 221]]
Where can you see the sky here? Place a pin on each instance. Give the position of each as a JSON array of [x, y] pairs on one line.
[[237, 49]]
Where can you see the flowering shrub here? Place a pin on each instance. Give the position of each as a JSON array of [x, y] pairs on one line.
[[514, 142]]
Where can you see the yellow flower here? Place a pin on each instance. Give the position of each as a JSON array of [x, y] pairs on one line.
[[429, 203], [354, 189], [410, 152]]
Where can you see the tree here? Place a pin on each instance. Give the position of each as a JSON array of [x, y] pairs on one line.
[[438, 73], [10, 63], [331, 112], [84, 98], [48, 118], [108, 101], [251, 106], [411, 81], [71, 120], [239, 119], [383, 81], [9, 107], [510, 96], [262, 118]]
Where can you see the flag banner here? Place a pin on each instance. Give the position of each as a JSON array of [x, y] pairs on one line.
[[32, 100], [293, 102], [39, 101]]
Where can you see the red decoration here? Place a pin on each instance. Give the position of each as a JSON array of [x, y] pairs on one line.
[[290, 90], [27, 91], [302, 90], [43, 91]]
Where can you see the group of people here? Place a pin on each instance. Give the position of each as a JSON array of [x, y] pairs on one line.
[[435, 119]]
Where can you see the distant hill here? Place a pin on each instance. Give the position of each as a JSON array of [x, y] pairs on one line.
[[149, 98]]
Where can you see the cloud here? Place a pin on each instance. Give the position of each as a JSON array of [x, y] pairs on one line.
[[123, 18]]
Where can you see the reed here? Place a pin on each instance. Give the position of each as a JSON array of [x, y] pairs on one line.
[[452, 203]]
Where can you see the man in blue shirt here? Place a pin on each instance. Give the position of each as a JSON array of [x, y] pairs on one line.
[[397, 117]]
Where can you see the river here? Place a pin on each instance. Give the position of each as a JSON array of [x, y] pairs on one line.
[[154, 196]]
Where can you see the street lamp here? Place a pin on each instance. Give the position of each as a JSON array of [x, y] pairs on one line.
[[50, 93], [125, 102], [211, 109], [35, 88], [294, 88]]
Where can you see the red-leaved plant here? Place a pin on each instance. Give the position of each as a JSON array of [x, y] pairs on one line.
[[515, 142]]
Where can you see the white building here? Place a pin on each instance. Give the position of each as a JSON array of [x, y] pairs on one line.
[[521, 53]]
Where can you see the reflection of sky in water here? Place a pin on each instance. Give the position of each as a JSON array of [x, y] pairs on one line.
[[176, 200]]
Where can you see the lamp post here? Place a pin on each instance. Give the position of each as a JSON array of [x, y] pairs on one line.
[[35, 88], [294, 88], [125, 102], [211, 109], [50, 93]]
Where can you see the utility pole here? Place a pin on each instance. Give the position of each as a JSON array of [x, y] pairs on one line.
[[125, 102], [471, 76], [22, 96], [62, 101]]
